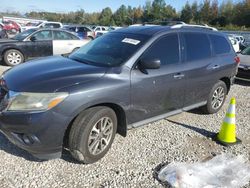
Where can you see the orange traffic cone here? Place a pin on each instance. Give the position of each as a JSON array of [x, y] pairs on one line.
[[227, 134]]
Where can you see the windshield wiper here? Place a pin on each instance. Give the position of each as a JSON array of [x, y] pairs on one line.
[[79, 60]]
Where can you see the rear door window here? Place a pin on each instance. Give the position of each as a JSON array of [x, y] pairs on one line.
[[197, 46], [60, 35], [166, 49], [220, 44]]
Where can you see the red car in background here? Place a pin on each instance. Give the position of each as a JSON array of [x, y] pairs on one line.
[[11, 26]]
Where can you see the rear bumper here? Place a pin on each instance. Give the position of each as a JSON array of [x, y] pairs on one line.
[[41, 134]]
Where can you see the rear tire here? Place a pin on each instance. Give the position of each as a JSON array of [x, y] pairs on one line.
[[216, 98], [92, 134], [13, 57]]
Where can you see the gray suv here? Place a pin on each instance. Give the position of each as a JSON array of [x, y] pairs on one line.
[[122, 80]]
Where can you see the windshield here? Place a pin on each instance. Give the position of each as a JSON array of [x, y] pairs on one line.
[[23, 35], [246, 51], [111, 49]]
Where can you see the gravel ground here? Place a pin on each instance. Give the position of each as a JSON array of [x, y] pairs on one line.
[[132, 161]]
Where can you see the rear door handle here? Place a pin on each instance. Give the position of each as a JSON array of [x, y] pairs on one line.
[[179, 76]]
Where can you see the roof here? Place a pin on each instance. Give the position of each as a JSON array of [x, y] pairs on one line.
[[146, 30], [154, 29]]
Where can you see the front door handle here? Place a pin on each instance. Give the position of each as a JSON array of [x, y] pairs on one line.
[[179, 76]]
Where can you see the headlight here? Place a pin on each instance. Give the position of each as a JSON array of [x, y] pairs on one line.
[[34, 101]]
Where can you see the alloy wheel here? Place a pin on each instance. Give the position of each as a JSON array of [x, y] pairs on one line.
[[100, 136], [14, 58], [218, 97]]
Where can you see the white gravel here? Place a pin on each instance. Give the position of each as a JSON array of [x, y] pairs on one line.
[[132, 161]]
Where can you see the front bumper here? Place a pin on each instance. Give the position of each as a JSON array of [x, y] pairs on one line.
[[41, 134]]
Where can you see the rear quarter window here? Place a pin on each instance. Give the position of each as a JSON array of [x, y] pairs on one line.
[[220, 44], [197, 46]]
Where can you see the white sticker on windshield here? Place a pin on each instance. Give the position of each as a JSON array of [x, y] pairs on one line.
[[131, 41]]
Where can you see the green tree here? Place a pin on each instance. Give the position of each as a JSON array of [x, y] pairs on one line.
[[186, 13], [120, 16], [106, 16], [227, 11], [158, 9], [195, 12], [205, 11], [138, 14], [147, 12], [169, 13]]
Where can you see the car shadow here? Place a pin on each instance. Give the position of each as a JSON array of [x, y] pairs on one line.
[[66, 156], [8, 147], [203, 132]]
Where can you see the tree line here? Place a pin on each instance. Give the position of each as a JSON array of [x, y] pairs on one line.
[[207, 12]]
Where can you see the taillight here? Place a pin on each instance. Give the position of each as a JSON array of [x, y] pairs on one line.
[[237, 59]]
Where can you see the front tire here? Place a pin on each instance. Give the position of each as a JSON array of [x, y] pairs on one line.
[[13, 57], [216, 98], [92, 134]]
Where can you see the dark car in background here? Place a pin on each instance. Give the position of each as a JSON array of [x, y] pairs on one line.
[[82, 32], [3, 33], [244, 67], [122, 80], [34, 43]]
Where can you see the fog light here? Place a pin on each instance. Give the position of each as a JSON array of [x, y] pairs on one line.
[[27, 139]]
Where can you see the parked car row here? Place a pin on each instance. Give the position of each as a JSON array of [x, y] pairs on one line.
[[35, 43], [45, 24]]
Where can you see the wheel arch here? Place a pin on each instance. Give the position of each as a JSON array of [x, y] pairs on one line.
[[227, 81], [13, 48], [121, 120]]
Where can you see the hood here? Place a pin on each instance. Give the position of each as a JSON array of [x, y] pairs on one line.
[[50, 74], [3, 41]]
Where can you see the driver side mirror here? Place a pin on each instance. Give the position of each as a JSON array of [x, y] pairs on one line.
[[33, 38], [145, 64]]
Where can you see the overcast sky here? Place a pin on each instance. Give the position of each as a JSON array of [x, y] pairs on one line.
[[73, 5]]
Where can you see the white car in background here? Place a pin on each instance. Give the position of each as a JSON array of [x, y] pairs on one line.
[[235, 43], [45, 24], [100, 30]]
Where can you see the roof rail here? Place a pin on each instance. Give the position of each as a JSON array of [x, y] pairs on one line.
[[163, 23], [195, 26]]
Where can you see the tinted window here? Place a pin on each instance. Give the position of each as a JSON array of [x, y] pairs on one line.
[[60, 35], [246, 51], [111, 49], [166, 49], [23, 35], [220, 44], [73, 29], [81, 29], [197, 46], [43, 35]]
